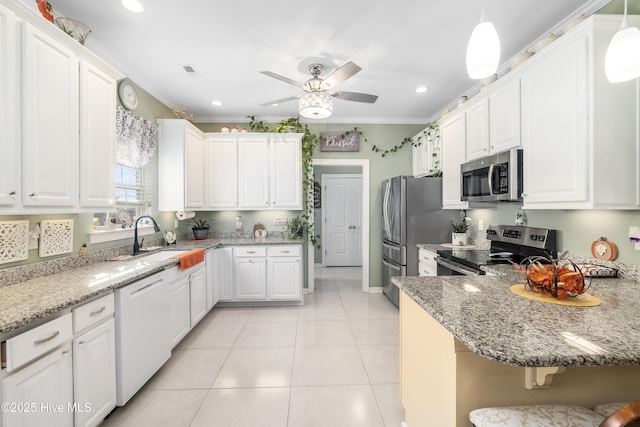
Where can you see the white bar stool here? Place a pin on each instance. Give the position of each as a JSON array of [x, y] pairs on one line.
[[536, 416]]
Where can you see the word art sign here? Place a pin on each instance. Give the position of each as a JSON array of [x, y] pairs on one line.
[[339, 141]]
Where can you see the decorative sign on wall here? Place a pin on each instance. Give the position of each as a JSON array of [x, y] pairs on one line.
[[14, 241], [56, 237], [317, 195], [339, 141]]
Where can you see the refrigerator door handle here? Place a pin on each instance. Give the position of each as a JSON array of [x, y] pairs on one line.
[[385, 209], [393, 266]]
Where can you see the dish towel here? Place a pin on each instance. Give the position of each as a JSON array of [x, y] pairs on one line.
[[191, 258]]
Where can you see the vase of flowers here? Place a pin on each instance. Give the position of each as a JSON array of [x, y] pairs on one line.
[[459, 233]]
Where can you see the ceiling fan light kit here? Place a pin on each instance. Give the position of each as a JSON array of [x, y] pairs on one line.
[[315, 105], [483, 50], [622, 60]]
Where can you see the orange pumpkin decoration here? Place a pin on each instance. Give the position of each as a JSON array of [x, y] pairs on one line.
[[45, 9]]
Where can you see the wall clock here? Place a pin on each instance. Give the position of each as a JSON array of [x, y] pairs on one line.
[[128, 95]]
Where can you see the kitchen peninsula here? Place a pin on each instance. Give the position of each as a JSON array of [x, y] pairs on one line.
[[468, 342]]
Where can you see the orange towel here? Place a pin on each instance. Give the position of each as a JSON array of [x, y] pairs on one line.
[[191, 258]]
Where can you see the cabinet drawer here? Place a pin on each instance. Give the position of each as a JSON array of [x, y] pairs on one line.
[[38, 341], [93, 312], [284, 251], [426, 256], [250, 251]]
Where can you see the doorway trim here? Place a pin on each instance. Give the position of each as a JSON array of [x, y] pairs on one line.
[[364, 165]]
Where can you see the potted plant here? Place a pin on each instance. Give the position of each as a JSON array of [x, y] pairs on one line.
[[295, 228], [459, 232], [200, 228]]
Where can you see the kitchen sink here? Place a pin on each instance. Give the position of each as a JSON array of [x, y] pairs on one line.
[[161, 256]]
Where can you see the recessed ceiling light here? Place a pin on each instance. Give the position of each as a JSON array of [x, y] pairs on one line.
[[133, 6], [275, 104], [216, 103], [421, 89]]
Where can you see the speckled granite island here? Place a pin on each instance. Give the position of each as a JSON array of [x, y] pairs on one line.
[[468, 342]]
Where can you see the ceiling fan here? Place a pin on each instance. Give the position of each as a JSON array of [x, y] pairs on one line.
[[317, 102]]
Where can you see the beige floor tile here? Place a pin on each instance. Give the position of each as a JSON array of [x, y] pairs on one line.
[[376, 331], [189, 369], [230, 314], [371, 309], [267, 334], [319, 297], [158, 408], [388, 397], [256, 367], [322, 312], [328, 365], [211, 333], [382, 363], [255, 407], [275, 314], [334, 406], [324, 332]]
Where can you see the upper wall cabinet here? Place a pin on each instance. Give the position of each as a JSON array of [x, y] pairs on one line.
[[453, 134], [181, 177], [426, 153], [222, 172], [56, 98], [579, 132]]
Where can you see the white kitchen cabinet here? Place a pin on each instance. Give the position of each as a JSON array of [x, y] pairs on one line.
[[253, 172], [223, 278], [578, 130], [50, 124], [212, 295], [181, 166], [45, 387], [97, 137], [477, 133], [427, 265], [419, 156], [94, 368], [284, 273], [222, 172], [180, 309], [197, 296], [453, 139], [504, 117], [9, 108], [426, 155], [250, 271], [285, 171]]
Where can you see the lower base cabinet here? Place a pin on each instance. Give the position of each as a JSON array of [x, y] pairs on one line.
[[188, 299], [284, 273], [223, 280]]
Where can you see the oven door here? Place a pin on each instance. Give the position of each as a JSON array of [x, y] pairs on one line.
[[446, 267], [391, 269]]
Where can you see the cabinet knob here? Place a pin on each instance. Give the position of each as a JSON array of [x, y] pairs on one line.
[[32, 195], [12, 193]]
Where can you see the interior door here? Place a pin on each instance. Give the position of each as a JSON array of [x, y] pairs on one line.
[[342, 213]]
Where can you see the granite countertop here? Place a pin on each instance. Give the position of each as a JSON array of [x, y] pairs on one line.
[[42, 298], [483, 314]]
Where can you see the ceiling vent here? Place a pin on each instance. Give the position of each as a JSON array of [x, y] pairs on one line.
[[191, 71]]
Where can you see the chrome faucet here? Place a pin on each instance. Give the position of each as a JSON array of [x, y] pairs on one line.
[[136, 245]]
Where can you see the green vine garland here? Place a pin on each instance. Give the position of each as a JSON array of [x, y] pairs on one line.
[[432, 128]]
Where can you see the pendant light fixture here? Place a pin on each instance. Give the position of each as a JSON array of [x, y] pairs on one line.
[[622, 61], [483, 51]]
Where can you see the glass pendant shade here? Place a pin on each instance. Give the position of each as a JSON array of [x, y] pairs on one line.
[[483, 51], [622, 60], [315, 105]]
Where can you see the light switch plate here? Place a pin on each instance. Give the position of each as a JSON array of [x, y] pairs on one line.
[[280, 221]]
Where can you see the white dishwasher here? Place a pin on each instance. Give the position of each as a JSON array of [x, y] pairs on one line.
[[143, 341]]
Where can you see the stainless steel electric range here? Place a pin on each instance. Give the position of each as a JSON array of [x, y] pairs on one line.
[[508, 243]]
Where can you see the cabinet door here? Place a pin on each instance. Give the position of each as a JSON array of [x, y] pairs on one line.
[[209, 274], [427, 265], [286, 173], [180, 315], [97, 137], [478, 130], [452, 132], [253, 172], [9, 108], [284, 278], [222, 169], [554, 126], [250, 275], [47, 384], [419, 155], [223, 281], [193, 169], [94, 374], [504, 118], [50, 88], [197, 296]]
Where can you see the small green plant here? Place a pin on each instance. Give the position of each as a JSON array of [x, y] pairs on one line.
[[200, 223], [295, 227], [459, 227]]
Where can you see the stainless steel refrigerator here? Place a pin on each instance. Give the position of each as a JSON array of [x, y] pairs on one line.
[[411, 214]]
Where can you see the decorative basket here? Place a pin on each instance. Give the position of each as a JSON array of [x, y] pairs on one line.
[[555, 278]]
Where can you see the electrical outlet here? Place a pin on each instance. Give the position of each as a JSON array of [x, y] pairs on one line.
[[176, 224], [280, 221], [480, 224]]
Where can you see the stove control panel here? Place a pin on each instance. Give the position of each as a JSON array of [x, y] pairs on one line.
[[540, 238]]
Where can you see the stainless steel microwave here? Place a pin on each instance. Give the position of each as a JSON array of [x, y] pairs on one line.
[[494, 178]]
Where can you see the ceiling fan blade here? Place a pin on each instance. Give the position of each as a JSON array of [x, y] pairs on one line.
[[279, 101], [282, 78], [341, 74], [355, 96]]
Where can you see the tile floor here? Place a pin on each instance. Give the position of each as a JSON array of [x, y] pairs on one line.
[[331, 362]]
